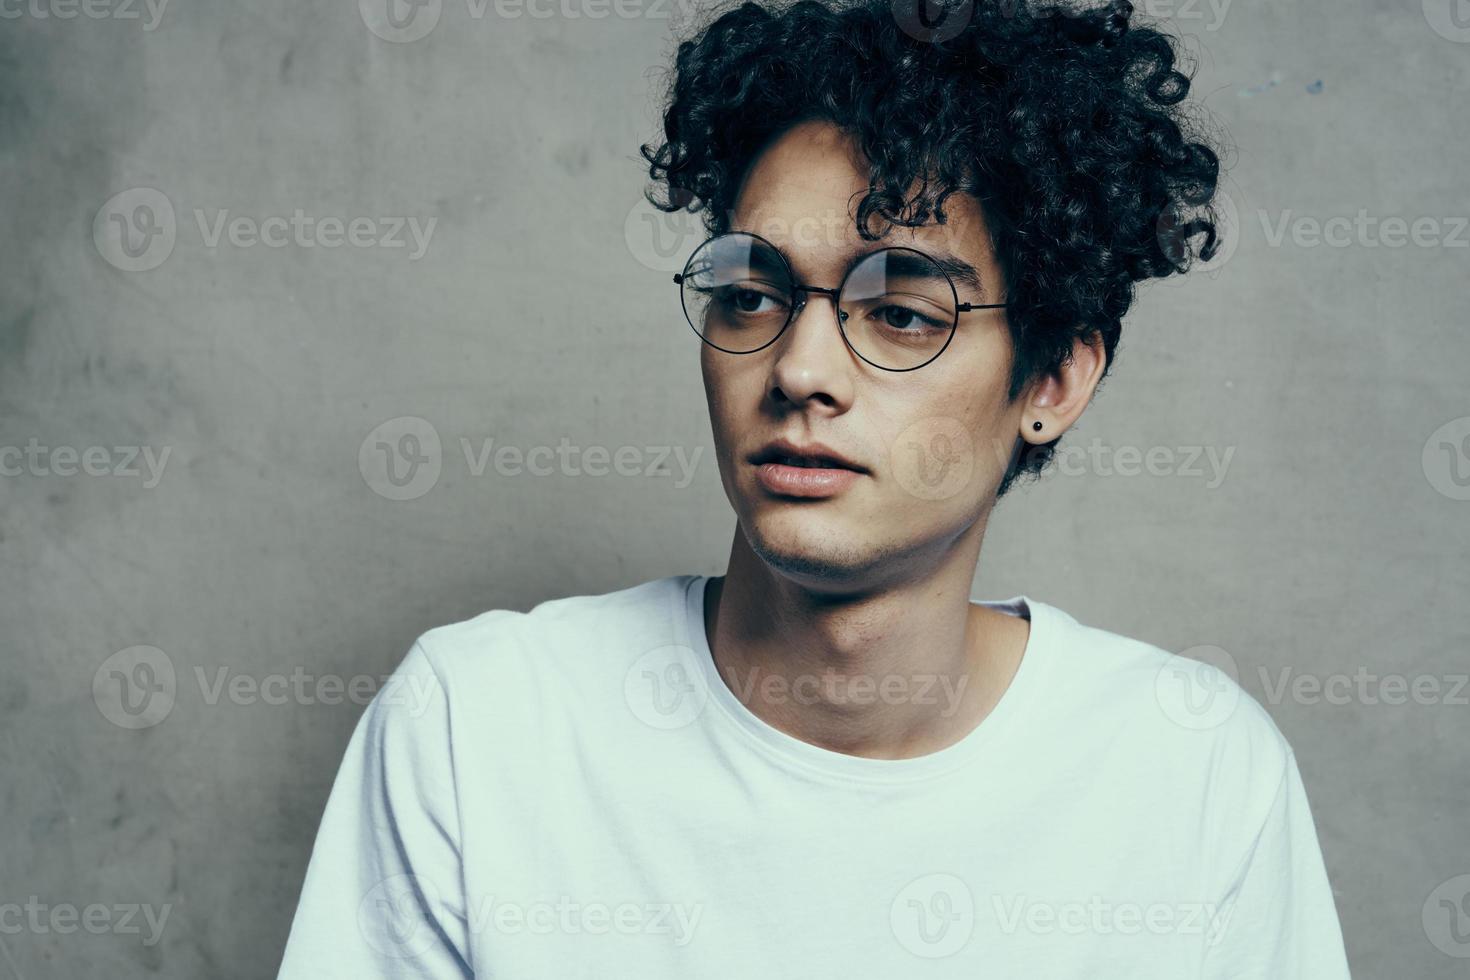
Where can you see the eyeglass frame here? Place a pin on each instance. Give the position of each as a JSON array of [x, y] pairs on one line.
[[798, 302]]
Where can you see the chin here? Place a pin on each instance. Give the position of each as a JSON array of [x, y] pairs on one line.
[[813, 548]]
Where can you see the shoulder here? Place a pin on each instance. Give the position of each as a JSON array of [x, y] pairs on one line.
[[503, 668], [554, 627], [1182, 716]]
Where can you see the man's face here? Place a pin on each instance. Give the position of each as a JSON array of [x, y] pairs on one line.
[[933, 443]]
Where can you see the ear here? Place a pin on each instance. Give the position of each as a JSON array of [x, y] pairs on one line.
[[1058, 399]]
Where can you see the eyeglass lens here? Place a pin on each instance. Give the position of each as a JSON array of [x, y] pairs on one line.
[[897, 307]]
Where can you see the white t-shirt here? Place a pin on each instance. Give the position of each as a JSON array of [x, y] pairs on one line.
[[575, 792]]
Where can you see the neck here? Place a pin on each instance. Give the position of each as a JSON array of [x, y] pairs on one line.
[[890, 672]]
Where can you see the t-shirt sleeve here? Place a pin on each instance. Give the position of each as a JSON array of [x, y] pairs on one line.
[[384, 894], [1277, 919]]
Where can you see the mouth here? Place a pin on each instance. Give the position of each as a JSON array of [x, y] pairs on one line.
[[814, 457], [788, 470]]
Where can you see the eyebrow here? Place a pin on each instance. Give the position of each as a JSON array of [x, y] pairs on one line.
[[960, 271], [963, 273]]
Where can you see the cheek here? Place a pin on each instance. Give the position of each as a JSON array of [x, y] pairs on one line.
[[733, 383], [732, 390], [716, 387], [950, 437]]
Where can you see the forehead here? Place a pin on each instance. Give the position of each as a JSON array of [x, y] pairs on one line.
[[802, 191]]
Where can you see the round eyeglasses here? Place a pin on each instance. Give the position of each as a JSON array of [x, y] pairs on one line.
[[896, 308]]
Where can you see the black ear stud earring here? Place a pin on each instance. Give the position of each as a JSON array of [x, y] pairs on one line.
[[1036, 425]]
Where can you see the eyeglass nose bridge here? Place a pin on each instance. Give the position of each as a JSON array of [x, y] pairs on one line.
[[800, 292]]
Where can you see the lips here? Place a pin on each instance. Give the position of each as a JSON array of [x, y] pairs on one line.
[[811, 456], [807, 462], [813, 471]]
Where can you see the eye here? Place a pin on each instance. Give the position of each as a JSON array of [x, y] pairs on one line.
[[749, 298], [904, 319]]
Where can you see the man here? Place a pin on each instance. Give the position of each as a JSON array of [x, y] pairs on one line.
[[830, 762]]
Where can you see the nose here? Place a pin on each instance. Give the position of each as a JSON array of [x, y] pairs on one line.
[[813, 363]]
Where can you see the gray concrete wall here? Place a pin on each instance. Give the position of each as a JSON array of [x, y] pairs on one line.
[[1327, 375]]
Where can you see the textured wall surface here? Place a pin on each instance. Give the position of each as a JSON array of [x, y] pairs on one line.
[[254, 253]]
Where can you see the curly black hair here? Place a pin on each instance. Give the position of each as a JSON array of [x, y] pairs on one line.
[[1068, 125]]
